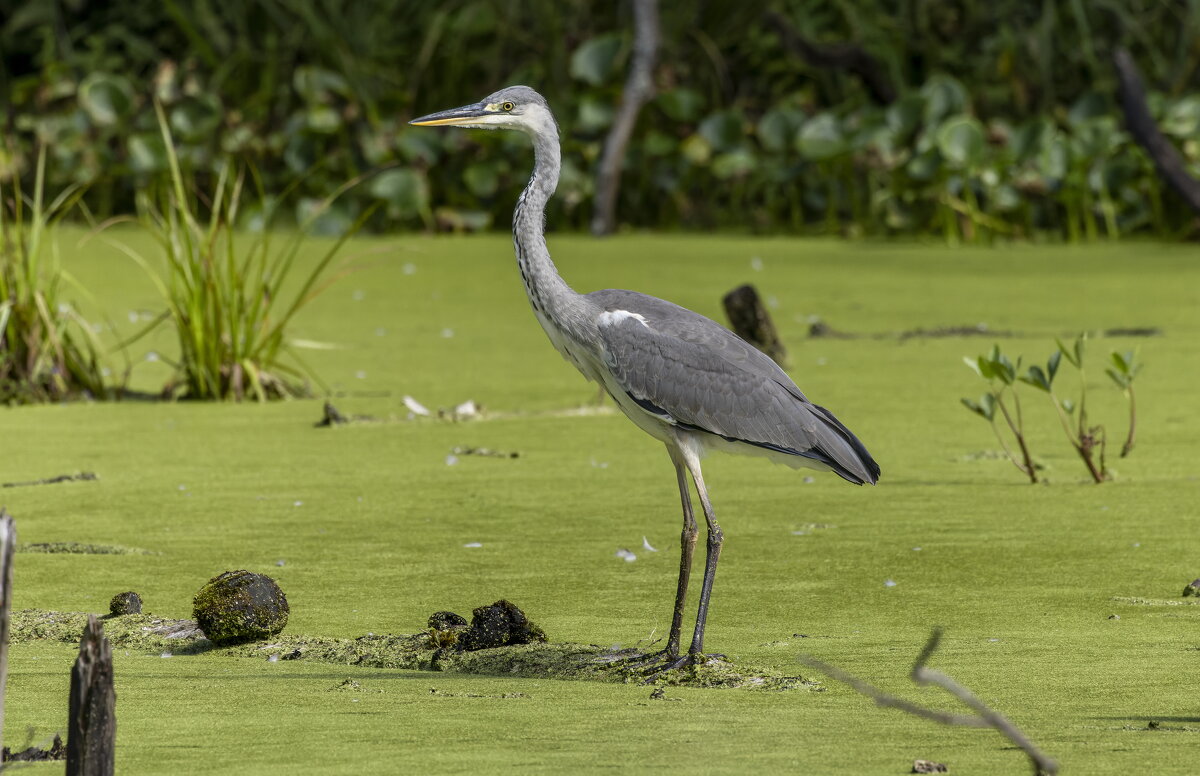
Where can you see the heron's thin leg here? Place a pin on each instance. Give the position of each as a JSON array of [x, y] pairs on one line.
[[715, 538], [687, 545]]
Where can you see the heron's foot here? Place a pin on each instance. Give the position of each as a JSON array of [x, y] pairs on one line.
[[671, 662]]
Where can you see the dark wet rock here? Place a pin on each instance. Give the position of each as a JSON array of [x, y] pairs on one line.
[[499, 625], [125, 603], [57, 751], [928, 766], [1192, 588], [240, 606], [446, 620]]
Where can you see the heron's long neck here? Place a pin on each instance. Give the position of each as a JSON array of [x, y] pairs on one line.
[[549, 294]]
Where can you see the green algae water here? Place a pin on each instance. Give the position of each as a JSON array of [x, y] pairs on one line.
[[1060, 602]]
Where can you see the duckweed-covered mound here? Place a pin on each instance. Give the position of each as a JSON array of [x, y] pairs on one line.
[[415, 652], [235, 607]]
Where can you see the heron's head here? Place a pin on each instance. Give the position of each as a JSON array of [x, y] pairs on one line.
[[514, 107]]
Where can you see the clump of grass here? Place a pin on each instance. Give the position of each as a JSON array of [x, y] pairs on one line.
[[48, 352], [224, 289]]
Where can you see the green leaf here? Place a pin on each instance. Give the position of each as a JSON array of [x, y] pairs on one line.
[[195, 118], [316, 84], [974, 364], [960, 140], [904, 115], [1122, 380], [1072, 354], [986, 367], [1052, 364], [735, 164], [323, 119], [1089, 106], [777, 127], [821, 138], [1068, 405], [1037, 378], [147, 153], [1183, 118], [1122, 360], [944, 96], [403, 189], [482, 179], [984, 408], [107, 99], [595, 114], [681, 104], [696, 150], [594, 61], [723, 130]]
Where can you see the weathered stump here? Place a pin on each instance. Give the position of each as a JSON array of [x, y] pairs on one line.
[[8, 540], [92, 716], [749, 319]]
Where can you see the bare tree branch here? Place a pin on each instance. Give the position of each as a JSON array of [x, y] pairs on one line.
[[1132, 94], [639, 89], [840, 56], [923, 675]]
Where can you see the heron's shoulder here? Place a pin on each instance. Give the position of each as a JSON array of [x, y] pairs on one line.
[[667, 317]]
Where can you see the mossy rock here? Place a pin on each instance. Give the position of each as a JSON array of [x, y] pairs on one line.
[[500, 625], [1192, 588], [125, 603], [240, 606]]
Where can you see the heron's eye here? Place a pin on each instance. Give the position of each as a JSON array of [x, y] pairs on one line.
[[507, 106]]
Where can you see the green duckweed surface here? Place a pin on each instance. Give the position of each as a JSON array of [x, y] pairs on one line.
[[366, 526]]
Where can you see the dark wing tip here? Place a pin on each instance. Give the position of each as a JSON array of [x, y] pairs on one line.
[[867, 463]]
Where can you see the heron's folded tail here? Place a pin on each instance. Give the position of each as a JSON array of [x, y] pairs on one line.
[[849, 460]]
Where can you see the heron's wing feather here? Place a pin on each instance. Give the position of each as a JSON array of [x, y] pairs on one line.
[[672, 320], [698, 375]]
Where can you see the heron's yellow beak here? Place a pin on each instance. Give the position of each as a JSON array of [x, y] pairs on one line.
[[467, 115]]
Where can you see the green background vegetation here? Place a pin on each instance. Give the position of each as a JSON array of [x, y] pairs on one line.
[[1005, 123], [1039, 569]]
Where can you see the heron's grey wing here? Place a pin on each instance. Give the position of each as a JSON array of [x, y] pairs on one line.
[[668, 367], [672, 320]]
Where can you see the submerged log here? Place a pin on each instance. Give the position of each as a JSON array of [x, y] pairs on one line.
[[749, 319], [92, 717]]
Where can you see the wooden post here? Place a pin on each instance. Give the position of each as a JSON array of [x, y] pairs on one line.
[[750, 320], [92, 717], [8, 540]]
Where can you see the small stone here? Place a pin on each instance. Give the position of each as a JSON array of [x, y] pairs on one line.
[[499, 625], [1114, 616], [125, 603], [1192, 588], [928, 766], [240, 606]]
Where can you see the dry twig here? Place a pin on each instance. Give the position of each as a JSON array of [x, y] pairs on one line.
[[984, 716]]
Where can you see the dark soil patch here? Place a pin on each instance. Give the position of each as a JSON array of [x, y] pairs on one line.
[[76, 548], [485, 452], [80, 477], [331, 416], [978, 330], [1134, 331], [56, 751]]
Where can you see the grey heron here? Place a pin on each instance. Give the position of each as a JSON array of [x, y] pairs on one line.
[[682, 378]]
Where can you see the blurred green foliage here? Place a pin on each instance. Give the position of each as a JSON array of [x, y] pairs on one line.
[[1005, 122]]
